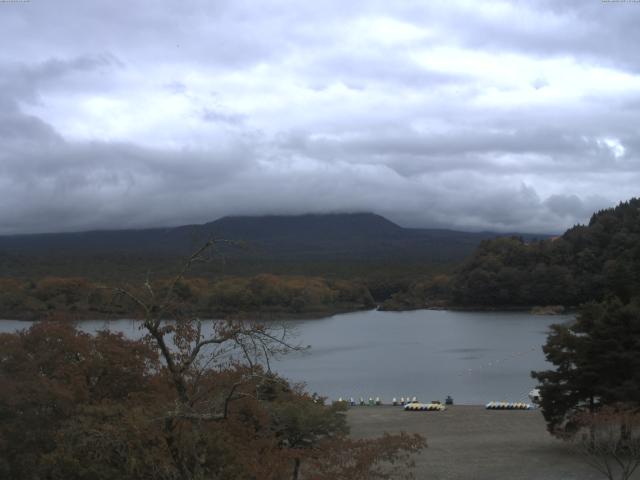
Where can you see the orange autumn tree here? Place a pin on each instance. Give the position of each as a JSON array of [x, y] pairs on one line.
[[190, 400], [51, 377]]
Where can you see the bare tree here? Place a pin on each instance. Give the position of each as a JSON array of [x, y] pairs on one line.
[[609, 440], [189, 351]]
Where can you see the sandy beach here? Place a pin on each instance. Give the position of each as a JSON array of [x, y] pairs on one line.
[[469, 442]]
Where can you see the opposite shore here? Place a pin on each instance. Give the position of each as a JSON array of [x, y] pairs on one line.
[[274, 314]]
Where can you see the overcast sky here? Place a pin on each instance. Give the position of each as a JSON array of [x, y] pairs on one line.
[[507, 116]]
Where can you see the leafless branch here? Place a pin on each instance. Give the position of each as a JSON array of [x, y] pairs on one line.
[[609, 441], [131, 296]]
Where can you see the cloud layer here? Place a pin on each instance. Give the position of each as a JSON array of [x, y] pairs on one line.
[[510, 116]]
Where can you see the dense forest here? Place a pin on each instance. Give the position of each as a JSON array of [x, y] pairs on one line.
[[264, 295], [587, 263], [274, 266]]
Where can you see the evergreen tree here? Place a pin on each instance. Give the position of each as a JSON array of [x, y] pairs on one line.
[[597, 360]]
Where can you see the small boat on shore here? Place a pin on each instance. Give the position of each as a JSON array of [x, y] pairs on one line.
[[431, 407], [508, 406]]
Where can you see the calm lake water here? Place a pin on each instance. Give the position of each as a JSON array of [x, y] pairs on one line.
[[473, 356]]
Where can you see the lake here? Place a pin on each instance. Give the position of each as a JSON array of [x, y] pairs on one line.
[[473, 356]]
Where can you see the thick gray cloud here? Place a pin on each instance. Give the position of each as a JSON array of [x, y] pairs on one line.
[[510, 116]]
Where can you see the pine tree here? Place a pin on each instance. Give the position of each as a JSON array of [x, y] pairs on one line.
[[597, 363]]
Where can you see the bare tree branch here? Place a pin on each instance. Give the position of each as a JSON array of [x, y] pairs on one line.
[[609, 440], [181, 342]]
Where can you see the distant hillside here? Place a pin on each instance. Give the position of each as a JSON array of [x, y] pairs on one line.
[[586, 263], [358, 237]]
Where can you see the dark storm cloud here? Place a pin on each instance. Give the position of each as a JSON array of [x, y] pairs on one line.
[[515, 116], [97, 185]]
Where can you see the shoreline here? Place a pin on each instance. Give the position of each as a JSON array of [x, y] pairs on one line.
[[469, 441], [270, 316], [266, 316], [542, 310]]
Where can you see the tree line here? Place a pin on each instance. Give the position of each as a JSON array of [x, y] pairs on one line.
[[263, 294], [588, 262]]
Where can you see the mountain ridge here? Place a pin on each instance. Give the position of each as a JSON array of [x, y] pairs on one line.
[[323, 231]]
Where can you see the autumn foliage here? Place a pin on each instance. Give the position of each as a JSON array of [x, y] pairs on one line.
[[268, 295], [73, 405], [190, 400]]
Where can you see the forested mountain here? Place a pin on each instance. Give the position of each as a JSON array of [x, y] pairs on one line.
[[272, 243], [266, 233], [588, 262]]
